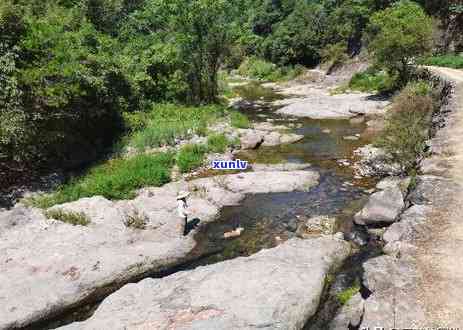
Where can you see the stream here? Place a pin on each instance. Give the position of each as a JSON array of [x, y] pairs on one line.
[[270, 219]]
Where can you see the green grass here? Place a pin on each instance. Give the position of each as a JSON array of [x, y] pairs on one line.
[[190, 156], [238, 120], [345, 295], [450, 61], [369, 81], [115, 179], [260, 69], [167, 123], [218, 143], [73, 218]]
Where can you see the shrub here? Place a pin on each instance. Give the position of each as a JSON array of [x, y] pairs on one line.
[[398, 35], [407, 125], [371, 80], [345, 295], [260, 69], [73, 218], [190, 156], [238, 120], [116, 179], [217, 143]]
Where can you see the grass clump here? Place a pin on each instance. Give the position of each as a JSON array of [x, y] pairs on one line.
[[115, 179], [370, 81], [260, 69], [72, 218], [344, 296], [408, 125], [218, 143], [238, 120], [166, 123], [136, 220], [450, 61], [190, 156]]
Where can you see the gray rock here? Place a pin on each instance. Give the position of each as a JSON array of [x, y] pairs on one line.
[[350, 314], [382, 207], [48, 266], [276, 288], [408, 226], [291, 138], [393, 302], [434, 166], [272, 139], [251, 140]]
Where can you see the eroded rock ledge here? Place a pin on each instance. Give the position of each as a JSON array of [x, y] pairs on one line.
[[49, 266], [276, 288]]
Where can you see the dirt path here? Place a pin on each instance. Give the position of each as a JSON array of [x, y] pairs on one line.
[[440, 258]]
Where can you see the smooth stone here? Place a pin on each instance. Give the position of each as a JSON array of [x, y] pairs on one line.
[[383, 207], [275, 288], [280, 167]]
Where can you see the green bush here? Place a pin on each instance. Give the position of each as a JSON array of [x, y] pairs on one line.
[[168, 122], [371, 80], [408, 125], [450, 61], [190, 156], [260, 69], [73, 218], [115, 179], [217, 143], [238, 120]]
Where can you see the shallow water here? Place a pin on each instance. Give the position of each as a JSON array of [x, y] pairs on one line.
[[270, 219]]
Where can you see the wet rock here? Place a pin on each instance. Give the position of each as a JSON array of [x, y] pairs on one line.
[[251, 140], [382, 207], [358, 237], [60, 265], [350, 314], [393, 302], [290, 138], [292, 225], [320, 225], [377, 232], [280, 167], [357, 120], [326, 131], [374, 162], [276, 288]]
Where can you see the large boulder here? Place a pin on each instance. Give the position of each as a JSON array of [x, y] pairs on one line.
[[383, 207], [276, 288], [49, 266]]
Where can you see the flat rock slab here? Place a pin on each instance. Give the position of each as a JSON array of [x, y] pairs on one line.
[[276, 288], [342, 106], [48, 266]]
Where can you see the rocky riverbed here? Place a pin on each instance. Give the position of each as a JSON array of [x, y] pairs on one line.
[[304, 189]]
